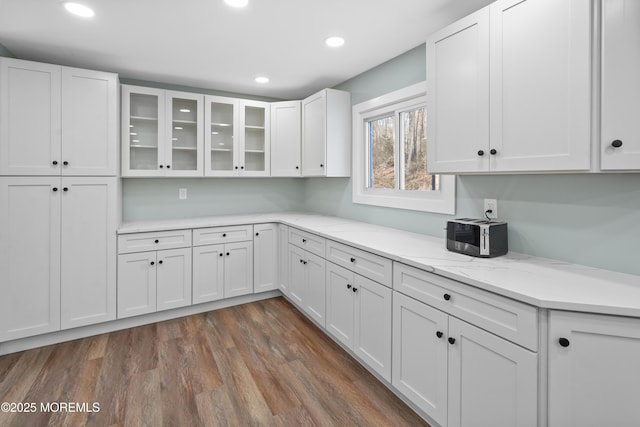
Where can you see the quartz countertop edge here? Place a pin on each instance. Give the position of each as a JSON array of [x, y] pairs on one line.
[[541, 282]]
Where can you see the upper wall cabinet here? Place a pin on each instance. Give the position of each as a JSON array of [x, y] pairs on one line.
[[539, 104], [237, 137], [57, 120], [620, 140], [286, 138], [326, 134], [161, 132]]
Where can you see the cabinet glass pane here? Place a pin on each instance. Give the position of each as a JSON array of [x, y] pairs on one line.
[[184, 134], [143, 132], [221, 136], [254, 138]]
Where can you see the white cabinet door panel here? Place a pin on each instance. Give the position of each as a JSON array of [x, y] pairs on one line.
[[208, 273], [283, 258], [286, 137], [340, 303], [88, 265], [89, 122], [315, 295], [314, 132], [297, 275], [30, 135], [238, 269], [173, 278], [29, 256], [136, 284], [265, 248]]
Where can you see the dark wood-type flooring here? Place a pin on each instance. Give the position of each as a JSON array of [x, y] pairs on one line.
[[258, 364]]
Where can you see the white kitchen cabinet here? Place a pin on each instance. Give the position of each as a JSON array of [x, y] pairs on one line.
[[57, 253], [153, 281], [29, 256], [307, 282], [162, 132], [594, 374], [458, 92], [620, 127], [237, 137], [88, 258], [265, 260], [283, 258], [358, 314], [326, 134], [461, 375], [57, 120], [539, 89], [222, 271], [286, 138]]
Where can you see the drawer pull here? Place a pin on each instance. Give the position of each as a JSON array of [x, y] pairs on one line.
[[564, 342], [224, 234], [355, 289], [228, 254], [153, 263], [156, 241], [54, 189], [257, 234], [353, 259], [451, 340], [54, 163], [348, 286], [439, 334], [65, 163], [221, 254], [304, 240], [160, 262], [447, 297], [616, 143]]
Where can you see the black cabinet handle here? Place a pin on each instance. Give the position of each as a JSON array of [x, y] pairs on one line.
[[161, 166], [480, 152], [304, 240], [257, 234], [301, 261], [168, 166], [297, 167], [224, 234], [616, 143], [54, 189], [156, 241], [242, 167], [353, 259], [153, 263], [54, 163], [447, 297], [493, 151], [348, 286], [160, 262], [65, 189], [228, 254], [221, 254], [564, 342], [65, 163], [321, 165], [355, 289], [304, 262], [236, 168], [451, 340], [439, 334]]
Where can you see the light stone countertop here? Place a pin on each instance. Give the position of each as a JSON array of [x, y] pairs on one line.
[[537, 281]]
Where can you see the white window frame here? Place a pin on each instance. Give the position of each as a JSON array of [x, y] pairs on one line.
[[441, 201]]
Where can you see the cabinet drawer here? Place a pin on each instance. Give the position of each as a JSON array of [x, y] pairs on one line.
[[364, 263], [216, 235], [307, 241], [140, 242], [510, 319]]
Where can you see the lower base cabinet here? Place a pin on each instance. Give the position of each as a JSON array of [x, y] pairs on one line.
[[459, 374], [265, 261], [594, 370], [153, 281], [307, 282], [222, 271], [359, 316]]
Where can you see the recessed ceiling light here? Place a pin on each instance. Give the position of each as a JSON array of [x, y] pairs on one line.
[[237, 3], [262, 79], [334, 41], [79, 9]]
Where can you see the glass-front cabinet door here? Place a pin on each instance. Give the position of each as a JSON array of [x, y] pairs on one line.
[[142, 130], [221, 121], [183, 148], [256, 122]]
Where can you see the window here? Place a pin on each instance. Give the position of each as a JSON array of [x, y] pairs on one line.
[[390, 155]]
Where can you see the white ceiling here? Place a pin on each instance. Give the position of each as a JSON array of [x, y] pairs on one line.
[[207, 44]]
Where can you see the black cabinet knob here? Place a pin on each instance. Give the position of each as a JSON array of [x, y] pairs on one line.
[[221, 254], [236, 168], [321, 165], [228, 254], [168, 166], [451, 340], [439, 334], [616, 143], [242, 167], [54, 163], [161, 166], [65, 188], [156, 241], [257, 234], [493, 151], [305, 263], [304, 240], [160, 262], [564, 342], [348, 286], [447, 297], [355, 289], [297, 167], [301, 261], [353, 259], [224, 234], [480, 152], [153, 263], [54, 189], [65, 163]]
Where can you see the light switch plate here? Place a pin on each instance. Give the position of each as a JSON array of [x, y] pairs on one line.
[[182, 193]]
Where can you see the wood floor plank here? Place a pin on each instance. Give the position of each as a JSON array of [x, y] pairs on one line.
[[260, 364]]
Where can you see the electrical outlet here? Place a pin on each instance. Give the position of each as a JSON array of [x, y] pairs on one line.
[[182, 193], [492, 205]]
